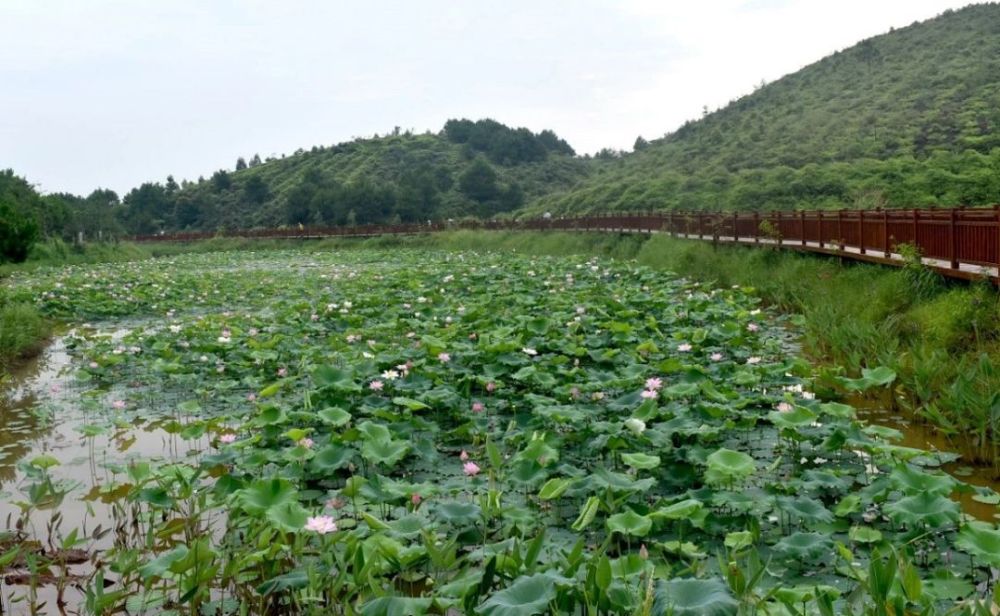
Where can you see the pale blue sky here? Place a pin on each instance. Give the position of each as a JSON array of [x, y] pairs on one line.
[[112, 93]]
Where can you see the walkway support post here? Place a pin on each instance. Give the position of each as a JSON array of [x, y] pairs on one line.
[[802, 226], [819, 218]]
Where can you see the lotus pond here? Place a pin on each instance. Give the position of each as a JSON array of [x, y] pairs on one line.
[[419, 432]]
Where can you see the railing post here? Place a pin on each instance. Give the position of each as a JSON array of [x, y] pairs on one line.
[[996, 216], [840, 229], [778, 228], [802, 226], [861, 230], [756, 227], [885, 233], [736, 231], [701, 225], [952, 239], [916, 216], [819, 219]]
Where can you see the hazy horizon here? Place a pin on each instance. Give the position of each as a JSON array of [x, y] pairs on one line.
[[115, 93]]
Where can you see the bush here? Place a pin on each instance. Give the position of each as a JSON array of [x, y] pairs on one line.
[[22, 331], [17, 234]]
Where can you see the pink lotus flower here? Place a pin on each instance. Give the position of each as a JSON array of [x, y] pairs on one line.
[[227, 438], [574, 392], [716, 357], [463, 456], [491, 386], [251, 397], [654, 383], [649, 394], [444, 358], [282, 371], [784, 407], [470, 468], [752, 327], [306, 443], [375, 385], [472, 336], [684, 348], [314, 317], [415, 499], [643, 552], [478, 407], [93, 365], [321, 524], [118, 404], [753, 360], [253, 331]]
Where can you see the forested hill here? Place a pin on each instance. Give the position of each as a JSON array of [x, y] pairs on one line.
[[911, 117], [480, 169]]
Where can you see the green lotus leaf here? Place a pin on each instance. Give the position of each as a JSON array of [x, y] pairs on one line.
[[924, 509], [799, 595], [981, 541], [526, 596], [289, 516], [387, 453], [458, 513], [870, 377], [341, 379], [694, 597], [848, 505], [334, 416], [554, 488], [864, 534], [838, 410], [264, 494], [641, 460], [806, 509], [587, 513], [727, 467], [804, 548], [44, 461], [410, 403], [397, 606], [630, 523], [911, 480], [331, 458], [799, 417], [738, 540]]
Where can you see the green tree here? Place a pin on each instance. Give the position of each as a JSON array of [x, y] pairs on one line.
[[479, 181]]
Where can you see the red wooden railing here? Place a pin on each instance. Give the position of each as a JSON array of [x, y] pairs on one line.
[[958, 241]]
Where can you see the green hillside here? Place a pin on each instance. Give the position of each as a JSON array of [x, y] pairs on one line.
[[908, 118], [470, 168]]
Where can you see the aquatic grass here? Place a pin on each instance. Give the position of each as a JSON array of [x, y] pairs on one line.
[[23, 331]]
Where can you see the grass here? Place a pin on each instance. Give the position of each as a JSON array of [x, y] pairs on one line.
[[22, 333]]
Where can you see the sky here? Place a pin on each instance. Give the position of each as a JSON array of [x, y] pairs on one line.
[[113, 93]]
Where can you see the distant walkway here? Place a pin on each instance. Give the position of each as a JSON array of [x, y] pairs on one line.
[[957, 242]]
